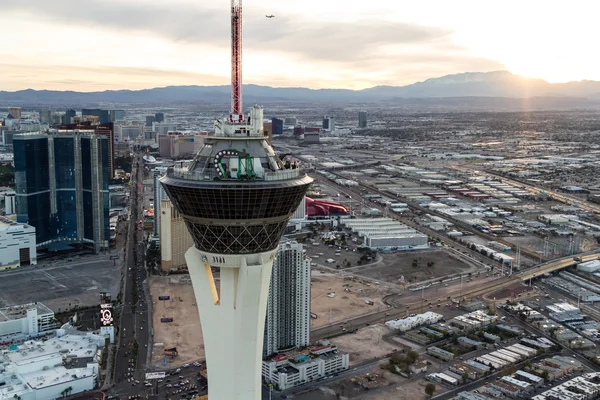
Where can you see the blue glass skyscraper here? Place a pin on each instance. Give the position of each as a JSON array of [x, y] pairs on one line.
[[62, 186]]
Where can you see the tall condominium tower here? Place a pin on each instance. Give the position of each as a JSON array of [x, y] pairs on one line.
[[362, 119], [236, 198], [288, 308], [61, 181]]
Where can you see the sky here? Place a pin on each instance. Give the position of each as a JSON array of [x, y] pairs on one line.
[[93, 45]]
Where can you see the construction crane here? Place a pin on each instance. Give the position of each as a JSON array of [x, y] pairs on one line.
[[236, 115]]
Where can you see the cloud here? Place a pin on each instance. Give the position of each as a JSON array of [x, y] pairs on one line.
[[316, 40]]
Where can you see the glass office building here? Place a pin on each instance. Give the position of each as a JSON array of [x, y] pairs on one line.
[[62, 187]]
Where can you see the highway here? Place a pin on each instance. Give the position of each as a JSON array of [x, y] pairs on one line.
[[134, 322]]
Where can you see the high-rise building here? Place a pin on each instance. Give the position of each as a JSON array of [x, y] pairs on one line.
[[15, 112], [178, 145], [362, 119], [159, 195], [163, 128], [46, 116], [149, 120], [107, 129], [159, 117], [287, 324], [290, 121], [277, 126], [103, 115], [68, 115], [117, 115], [175, 239], [328, 124], [130, 132], [61, 181]]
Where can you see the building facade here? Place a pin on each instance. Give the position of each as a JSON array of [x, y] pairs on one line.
[[15, 112], [284, 372], [287, 324], [175, 239], [362, 119], [117, 115], [159, 196], [328, 124], [177, 145], [277, 126], [130, 132], [17, 244], [68, 115], [159, 117], [10, 203], [61, 183], [103, 115]]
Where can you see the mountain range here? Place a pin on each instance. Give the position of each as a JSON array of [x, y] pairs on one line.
[[469, 84]]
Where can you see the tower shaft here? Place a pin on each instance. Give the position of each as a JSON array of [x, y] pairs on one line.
[[233, 319], [236, 62]]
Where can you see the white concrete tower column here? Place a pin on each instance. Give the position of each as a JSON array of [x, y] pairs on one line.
[[233, 319]]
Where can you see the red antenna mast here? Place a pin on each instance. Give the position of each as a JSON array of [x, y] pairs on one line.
[[236, 62]]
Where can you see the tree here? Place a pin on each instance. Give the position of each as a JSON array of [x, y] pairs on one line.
[[411, 357], [465, 377], [429, 389]]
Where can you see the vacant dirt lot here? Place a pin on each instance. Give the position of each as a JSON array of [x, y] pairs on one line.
[[366, 344], [184, 332], [431, 263], [345, 304]]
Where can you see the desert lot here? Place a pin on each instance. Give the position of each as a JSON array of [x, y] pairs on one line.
[[184, 332], [345, 304]]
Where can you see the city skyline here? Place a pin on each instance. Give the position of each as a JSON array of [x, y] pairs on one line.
[[334, 45]]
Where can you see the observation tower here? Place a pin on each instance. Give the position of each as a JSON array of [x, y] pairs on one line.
[[236, 198]]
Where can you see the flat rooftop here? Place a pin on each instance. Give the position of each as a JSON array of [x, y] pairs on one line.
[[20, 311], [36, 351], [55, 376]]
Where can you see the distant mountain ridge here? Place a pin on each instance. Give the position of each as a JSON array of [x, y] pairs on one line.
[[468, 84]]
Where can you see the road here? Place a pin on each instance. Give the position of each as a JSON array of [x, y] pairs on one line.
[[134, 322]]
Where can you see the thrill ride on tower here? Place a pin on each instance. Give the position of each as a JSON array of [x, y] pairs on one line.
[[236, 198]]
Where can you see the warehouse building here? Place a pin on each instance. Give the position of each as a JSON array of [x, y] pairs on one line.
[[387, 234], [440, 353]]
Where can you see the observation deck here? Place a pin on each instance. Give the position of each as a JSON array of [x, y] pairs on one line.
[[236, 196]]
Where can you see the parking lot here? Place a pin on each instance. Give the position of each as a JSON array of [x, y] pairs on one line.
[[62, 284]]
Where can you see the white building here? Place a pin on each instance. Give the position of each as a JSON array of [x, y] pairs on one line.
[[408, 323], [287, 324], [25, 319], [130, 132], [10, 202], [17, 244], [40, 370], [159, 195], [322, 361], [300, 213]]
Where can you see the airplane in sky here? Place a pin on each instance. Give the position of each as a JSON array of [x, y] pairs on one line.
[[270, 16]]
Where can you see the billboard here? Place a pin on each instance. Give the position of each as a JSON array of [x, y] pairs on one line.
[[106, 314], [155, 375]]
